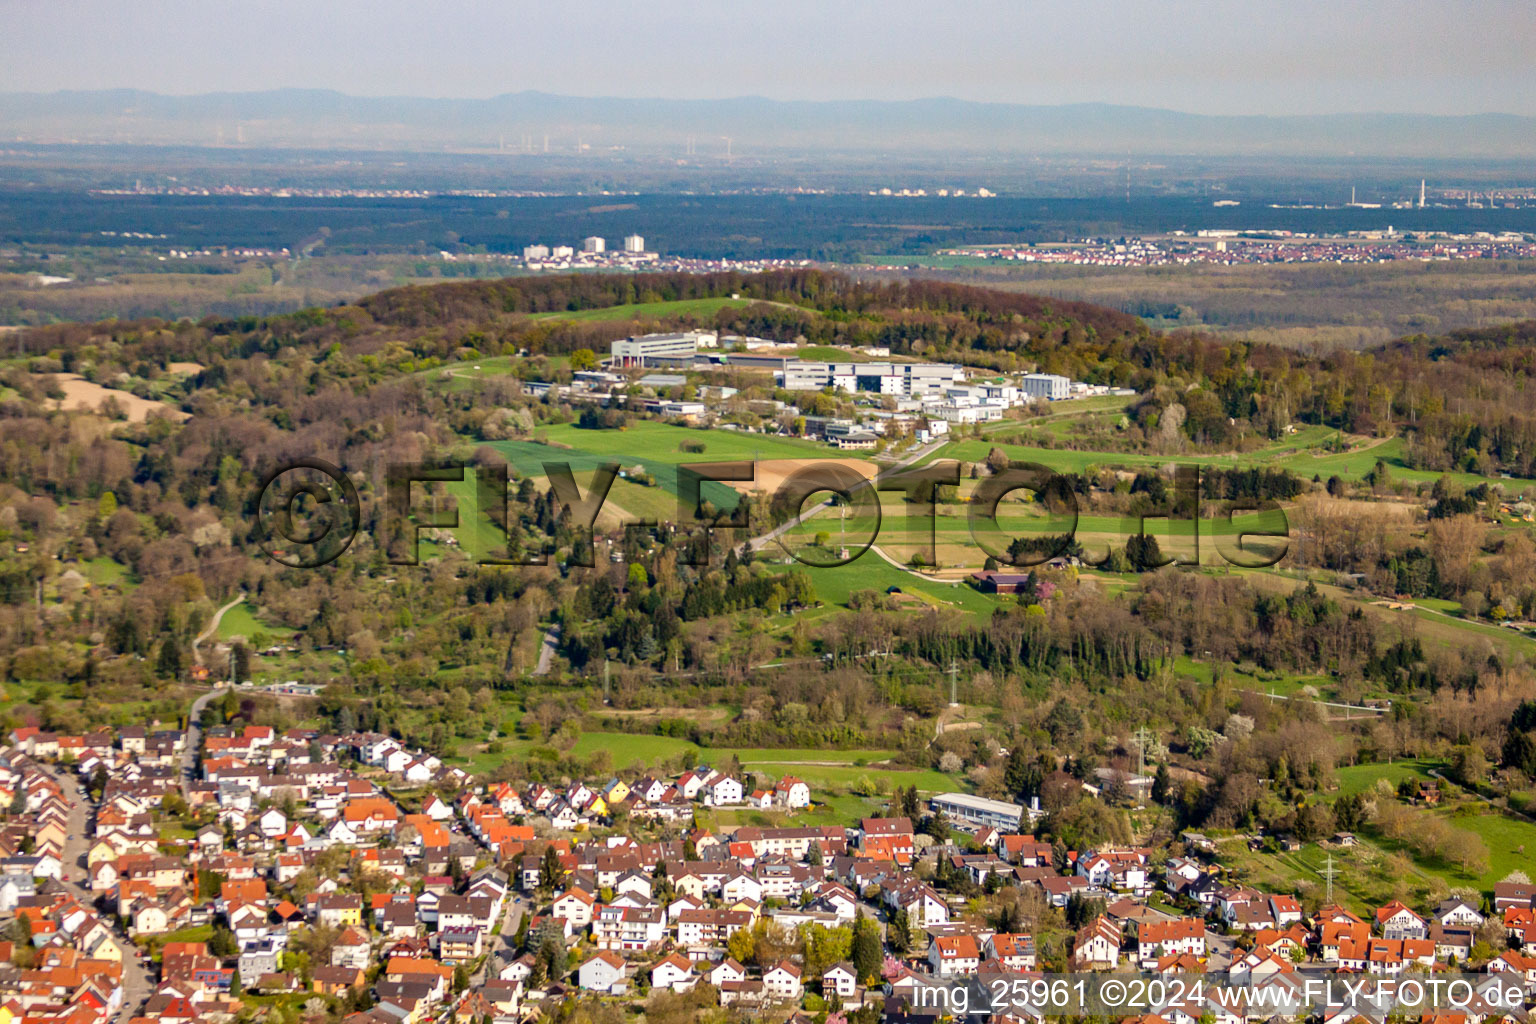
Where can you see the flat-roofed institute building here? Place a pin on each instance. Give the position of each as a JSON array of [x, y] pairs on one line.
[[1050, 386], [680, 345], [905, 379], [979, 811]]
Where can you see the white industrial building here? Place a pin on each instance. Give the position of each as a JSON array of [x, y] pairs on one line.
[[964, 410], [639, 350], [978, 811], [901, 379], [1049, 386]]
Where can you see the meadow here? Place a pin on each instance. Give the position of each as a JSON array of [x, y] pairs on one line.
[[242, 621], [825, 770], [869, 572], [1304, 454], [698, 309]]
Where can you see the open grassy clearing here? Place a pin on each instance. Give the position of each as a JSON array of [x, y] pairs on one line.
[[1508, 840], [837, 769], [657, 449], [1431, 626], [1279, 684], [701, 308], [242, 621], [1366, 877], [1361, 778], [1377, 869], [1304, 461], [104, 571], [835, 584], [957, 545], [662, 442], [826, 809], [632, 748], [1064, 410], [468, 373], [850, 776]]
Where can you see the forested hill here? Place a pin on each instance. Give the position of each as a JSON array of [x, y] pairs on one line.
[[1516, 340], [1461, 400], [999, 316]]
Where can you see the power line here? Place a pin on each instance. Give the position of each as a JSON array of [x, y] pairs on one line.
[[1328, 872]]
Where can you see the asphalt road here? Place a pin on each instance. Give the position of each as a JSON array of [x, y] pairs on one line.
[[137, 984], [547, 648], [502, 950], [194, 740]]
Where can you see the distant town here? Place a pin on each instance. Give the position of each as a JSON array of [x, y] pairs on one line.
[[1234, 247]]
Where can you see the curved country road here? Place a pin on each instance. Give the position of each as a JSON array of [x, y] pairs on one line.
[[213, 627]]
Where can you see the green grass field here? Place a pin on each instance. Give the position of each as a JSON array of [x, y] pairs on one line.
[[459, 376], [955, 544], [241, 620], [1378, 869], [657, 449], [1360, 778], [1303, 453], [103, 571], [834, 584], [662, 442], [1280, 684], [838, 769], [1508, 840], [848, 757], [846, 776], [836, 809], [632, 748]]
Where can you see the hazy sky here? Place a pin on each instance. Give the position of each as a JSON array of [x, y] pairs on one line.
[[1258, 56]]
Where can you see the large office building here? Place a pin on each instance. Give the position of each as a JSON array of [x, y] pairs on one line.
[[902, 379], [634, 243], [979, 812], [1050, 386], [649, 349], [593, 244]]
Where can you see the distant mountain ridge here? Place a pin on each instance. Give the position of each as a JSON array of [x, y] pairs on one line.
[[314, 118]]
